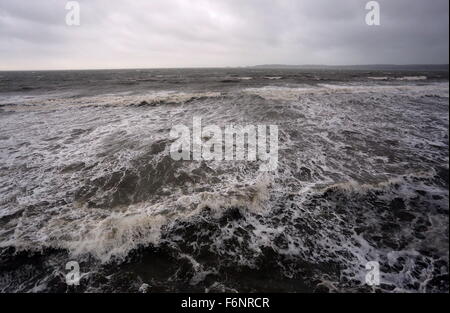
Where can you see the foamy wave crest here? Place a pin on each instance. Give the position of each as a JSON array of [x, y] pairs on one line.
[[293, 93], [407, 78], [157, 98], [160, 98], [112, 235]]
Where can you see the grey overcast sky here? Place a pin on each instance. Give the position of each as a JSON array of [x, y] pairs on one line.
[[197, 33]]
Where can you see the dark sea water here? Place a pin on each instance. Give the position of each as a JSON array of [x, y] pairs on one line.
[[86, 176]]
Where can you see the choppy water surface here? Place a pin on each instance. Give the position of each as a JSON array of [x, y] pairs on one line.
[[86, 175]]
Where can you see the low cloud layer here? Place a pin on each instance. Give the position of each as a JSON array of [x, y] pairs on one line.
[[182, 33]]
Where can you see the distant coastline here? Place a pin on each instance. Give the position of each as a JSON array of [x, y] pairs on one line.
[[381, 67]]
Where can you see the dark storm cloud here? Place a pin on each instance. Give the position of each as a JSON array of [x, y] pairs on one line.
[[171, 33]]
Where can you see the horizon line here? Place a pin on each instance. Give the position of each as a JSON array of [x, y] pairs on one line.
[[269, 65]]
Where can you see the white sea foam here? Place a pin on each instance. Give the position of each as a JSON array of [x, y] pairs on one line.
[[407, 78], [273, 77], [412, 78], [96, 179]]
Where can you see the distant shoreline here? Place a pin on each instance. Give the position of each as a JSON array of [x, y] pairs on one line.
[[381, 67]]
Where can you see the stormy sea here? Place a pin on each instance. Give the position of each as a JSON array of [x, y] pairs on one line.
[[362, 176]]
